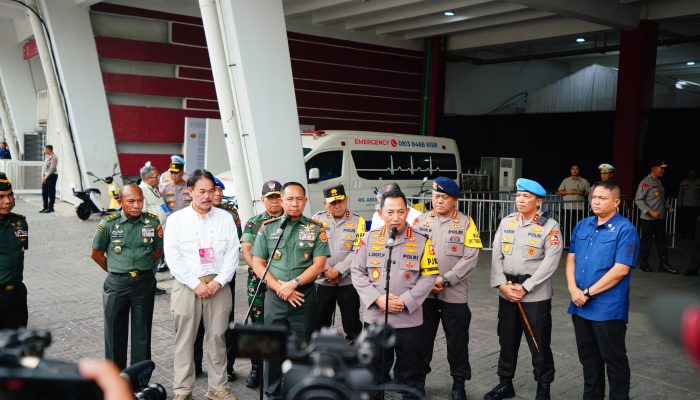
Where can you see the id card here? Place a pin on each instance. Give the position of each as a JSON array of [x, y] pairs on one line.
[[206, 256]]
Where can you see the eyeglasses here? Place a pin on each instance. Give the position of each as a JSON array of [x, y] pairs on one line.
[[152, 177]]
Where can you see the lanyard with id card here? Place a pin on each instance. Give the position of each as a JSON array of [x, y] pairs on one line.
[[207, 256]]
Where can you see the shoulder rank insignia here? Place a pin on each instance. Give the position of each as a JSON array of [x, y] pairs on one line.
[[267, 221], [112, 217], [315, 222], [149, 215]]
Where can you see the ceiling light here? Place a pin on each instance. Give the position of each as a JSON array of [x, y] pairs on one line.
[[449, 13], [580, 40], [690, 63]]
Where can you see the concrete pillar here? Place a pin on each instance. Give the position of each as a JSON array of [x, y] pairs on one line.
[[17, 88], [78, 67], [229, 118], [635, 96], [255, 42]]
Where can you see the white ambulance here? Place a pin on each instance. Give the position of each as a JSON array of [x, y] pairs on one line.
[[364, 161]]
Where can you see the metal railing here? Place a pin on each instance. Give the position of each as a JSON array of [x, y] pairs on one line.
[[24, 175], [487, 209]]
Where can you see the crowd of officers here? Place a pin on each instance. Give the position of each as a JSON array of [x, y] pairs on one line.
[[328, 260]]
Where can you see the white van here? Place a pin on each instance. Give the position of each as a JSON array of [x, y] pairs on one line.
[[364, 161]]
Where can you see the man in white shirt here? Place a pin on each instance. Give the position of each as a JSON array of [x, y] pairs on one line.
[[201, 247], [378, 222]]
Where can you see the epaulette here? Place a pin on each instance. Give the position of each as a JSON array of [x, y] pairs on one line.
[[544, 218], [319, 213], [21, 216], [415, 232], [149, 215], [315, 222], [271, 220], [112, 217]]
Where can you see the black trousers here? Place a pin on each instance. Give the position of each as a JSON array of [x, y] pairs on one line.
[[230, 349], [695, 257], [687, 217], [408, 370], [48, 191], [349, 302], [652, 229], [455, 321], [601, 344], [510, 330], [13, 307]]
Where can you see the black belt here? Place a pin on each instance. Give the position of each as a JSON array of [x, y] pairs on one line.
[[517, 278], [133, 274]]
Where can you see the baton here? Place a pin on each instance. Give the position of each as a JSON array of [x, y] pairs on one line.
[[527, 323]]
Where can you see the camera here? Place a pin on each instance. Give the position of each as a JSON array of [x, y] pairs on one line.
[[25, 375], [328, 367]]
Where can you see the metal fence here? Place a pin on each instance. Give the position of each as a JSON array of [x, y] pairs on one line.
[[487, 209], [24, 175]]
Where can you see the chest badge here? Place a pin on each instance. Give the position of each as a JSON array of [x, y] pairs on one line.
[[118, 249], [277, 256]]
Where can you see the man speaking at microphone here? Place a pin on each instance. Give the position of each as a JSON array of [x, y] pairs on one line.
[[298, 260], [412, 276]]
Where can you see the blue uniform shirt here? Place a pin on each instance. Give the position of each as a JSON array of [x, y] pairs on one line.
[[597, 248]]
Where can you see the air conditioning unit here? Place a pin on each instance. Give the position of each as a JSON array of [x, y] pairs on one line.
[[42, 107]]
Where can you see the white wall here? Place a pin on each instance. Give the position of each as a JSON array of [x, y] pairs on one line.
[[478, 89]]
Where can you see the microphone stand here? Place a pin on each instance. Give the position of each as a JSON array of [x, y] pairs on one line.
[[387, 275], [259, 291]]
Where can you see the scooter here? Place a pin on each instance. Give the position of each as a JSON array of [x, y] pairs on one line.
[[91, 198]]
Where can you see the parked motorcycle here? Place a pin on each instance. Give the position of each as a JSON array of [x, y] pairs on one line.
[[91, 198]]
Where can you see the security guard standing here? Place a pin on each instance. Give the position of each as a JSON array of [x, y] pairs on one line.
[[14, 241], [272, 200], [127, 245], [414, 269], [298, 260], [651, 201], [174, 191], [457, 243], [526, 250], [344, 230]]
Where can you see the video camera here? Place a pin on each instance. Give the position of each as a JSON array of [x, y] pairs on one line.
[[327, 368], [25, 375]]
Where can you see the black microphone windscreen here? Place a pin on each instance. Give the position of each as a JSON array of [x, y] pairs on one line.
[[139, 374]]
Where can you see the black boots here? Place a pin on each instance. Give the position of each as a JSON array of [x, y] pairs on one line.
[[503, 390], [253, 380], [644, 266], [664, 267], [542, 391], [458, 392]]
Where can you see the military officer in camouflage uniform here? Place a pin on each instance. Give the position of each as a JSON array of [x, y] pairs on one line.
[[127, 245], [651, 201], [414, 270], [272, 200], [299, 259], [344, 230], [457, 243], [14, 241], [526, 250]]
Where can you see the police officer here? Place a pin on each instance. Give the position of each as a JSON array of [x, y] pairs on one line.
[[344, 230], [606, 172], [457, 243], [127, 245], [14, 241], [175, 192], [651, 201], [298, 260], [526, 251], [413, 272]]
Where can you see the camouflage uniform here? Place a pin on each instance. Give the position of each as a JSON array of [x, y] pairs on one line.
[[249, 232]]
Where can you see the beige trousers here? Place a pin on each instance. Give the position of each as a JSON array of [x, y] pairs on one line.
[[187, 310]]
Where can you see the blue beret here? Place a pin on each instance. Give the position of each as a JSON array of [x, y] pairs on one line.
[[446, 185], [528, 185], [177, 159], [218, 183]]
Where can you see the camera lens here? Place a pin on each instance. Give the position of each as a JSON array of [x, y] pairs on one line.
[[154, 391]]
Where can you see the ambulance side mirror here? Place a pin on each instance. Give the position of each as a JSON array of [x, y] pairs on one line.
[[314, 175]]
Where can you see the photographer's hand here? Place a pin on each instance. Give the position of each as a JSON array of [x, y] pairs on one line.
[[106, 375]]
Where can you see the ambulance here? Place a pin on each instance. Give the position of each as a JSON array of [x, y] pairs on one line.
[[364, 161]]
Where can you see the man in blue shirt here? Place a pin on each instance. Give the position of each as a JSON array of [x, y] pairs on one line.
[[603, 249]]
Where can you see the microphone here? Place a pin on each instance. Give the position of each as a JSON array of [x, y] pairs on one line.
[[677, 317], [139, 374], [392, 237], [282, 226]]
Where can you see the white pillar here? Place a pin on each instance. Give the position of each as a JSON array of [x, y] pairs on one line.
[[255, 41], [229, 118], [74, 46], [17, 88]]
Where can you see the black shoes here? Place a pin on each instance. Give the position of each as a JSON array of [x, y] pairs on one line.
[[46, 210], [253, 379], [542, 391], [503, 390], [160, 291], [664, 267], [231, 375], [458, 392], [644, 266]]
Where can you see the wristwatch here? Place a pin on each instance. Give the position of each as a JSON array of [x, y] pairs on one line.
[[586, 293], [297, 281], [446, 282]]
